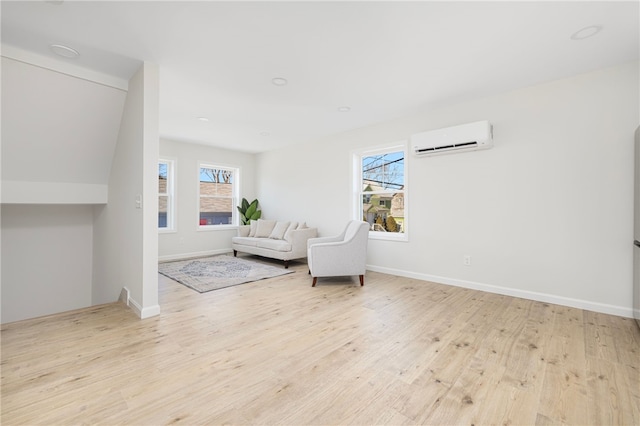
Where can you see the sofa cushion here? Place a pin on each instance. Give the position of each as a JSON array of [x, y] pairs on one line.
[[279, 230], [245, 241], [264, 228], [292, 227], [254, 226], [277, 245]]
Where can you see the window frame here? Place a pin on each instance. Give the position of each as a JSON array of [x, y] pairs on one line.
[[235, 194], [357, 185], [170, 194]]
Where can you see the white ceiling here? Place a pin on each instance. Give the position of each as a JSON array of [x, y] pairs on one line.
[[382, 59]]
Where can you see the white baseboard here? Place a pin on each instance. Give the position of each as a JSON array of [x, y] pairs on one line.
[[150, 311], [135, 307], [524, 294], [142, 313], [183, 256]]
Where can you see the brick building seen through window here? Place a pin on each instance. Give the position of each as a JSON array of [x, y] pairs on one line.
[[217, 196]]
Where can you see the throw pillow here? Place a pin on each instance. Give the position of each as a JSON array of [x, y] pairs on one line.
[[254, 226], [279, 230], [292, 227], [303, 225], [264, 228]]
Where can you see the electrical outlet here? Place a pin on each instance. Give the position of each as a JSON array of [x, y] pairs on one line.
[[466, 260]]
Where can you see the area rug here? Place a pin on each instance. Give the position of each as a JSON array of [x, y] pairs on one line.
[[216, 272]]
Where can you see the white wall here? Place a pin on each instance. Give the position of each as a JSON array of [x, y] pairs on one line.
[[59, 132], [188, 240], [125, 237], [546, 214], [46, 260], [58, 135], [66, 158], [150, 151]]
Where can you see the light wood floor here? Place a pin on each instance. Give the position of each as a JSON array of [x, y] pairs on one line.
[[396, 351]]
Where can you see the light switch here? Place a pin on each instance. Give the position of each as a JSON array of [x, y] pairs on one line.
[[139, 201]]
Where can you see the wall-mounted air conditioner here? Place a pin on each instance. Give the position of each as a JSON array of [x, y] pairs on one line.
[[467, 137]]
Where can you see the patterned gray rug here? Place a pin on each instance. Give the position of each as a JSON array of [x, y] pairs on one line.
[[216, 272]]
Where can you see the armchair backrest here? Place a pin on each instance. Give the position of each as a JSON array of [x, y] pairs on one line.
[[354, 229]]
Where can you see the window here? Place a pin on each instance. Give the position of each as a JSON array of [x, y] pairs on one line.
[[218, 196], [166, 197], [380, 196]]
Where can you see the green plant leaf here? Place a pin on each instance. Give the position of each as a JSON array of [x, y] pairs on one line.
[[251, 209], [245, 205], [256, 215]]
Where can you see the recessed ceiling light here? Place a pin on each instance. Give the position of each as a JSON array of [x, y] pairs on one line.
[[204, 119], [279, 81], [586, 32], [65, 51], [344, 109]]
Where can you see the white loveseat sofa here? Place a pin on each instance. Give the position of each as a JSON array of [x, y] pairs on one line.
[[274, 239]]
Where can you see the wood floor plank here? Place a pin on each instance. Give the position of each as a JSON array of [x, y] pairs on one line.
[[612, 338], [277, 351], [606, 380], [564, 395]]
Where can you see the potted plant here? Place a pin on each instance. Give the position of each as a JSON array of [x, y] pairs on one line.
[[249, 211]]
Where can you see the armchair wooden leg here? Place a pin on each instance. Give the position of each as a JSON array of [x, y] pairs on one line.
[[235, 253], [286, 264], [313, 284], [361, 280]]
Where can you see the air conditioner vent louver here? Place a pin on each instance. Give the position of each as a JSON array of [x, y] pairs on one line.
[[467, 137], [448, 147]]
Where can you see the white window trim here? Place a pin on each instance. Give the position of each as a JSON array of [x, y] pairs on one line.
[[236, 194], [171, 195], [356, 196]]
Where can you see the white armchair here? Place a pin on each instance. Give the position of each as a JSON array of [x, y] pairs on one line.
[[344, 254]]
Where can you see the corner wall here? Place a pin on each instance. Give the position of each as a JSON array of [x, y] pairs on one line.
[[125, 252], [546, 214], [52, 174]]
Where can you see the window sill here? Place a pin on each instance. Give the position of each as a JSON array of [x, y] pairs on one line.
[[206, 228], [388, 236]]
